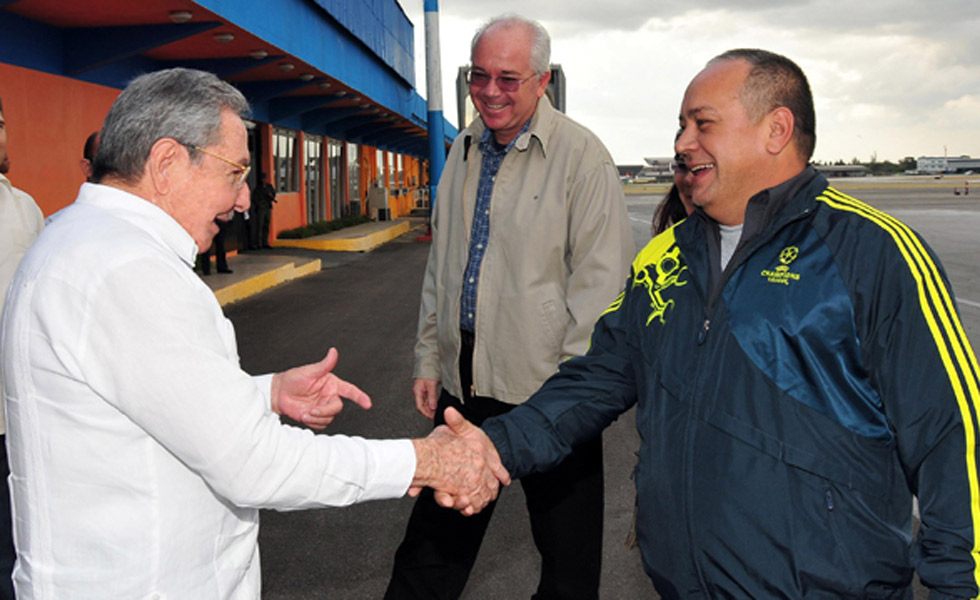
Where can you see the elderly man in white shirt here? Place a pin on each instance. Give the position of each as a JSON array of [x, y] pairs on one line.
[[140, 451], [20, 222]]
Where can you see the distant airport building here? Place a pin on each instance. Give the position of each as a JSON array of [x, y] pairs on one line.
[[656, 169], [943, 164], [337, 124], [628, 171], [843, 170]]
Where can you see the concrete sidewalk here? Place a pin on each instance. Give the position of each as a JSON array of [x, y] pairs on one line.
[[258, 270]]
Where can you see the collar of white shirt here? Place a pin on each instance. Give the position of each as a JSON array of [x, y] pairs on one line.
[[143, 214]]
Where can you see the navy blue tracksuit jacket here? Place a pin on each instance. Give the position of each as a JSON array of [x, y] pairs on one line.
[[789, 407]]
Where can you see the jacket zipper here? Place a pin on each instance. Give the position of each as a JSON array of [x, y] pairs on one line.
[[483, 262], [713, 296], [735, 262], [459, 305]]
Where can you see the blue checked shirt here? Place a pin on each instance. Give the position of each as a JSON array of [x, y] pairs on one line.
[[480, 234]]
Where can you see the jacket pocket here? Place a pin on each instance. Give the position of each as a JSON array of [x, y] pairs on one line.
[[553, 322], [820, 464], [847, 532]]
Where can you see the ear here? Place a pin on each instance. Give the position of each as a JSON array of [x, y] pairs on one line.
[[162, 164], [780, 127], [543, 83]]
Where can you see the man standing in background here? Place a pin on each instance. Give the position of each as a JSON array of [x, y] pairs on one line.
[[89, 150], [530, 243], [20, 223], [263, 198]]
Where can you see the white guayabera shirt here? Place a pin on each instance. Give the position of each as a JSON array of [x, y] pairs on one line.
[[140, 451], [20, 223]]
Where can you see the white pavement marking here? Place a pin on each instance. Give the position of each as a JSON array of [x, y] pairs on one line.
[[968, 302]]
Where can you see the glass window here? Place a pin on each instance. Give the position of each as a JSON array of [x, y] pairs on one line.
[[353, 172], [284, 154], [334, 151], [379, 155], [315, 209]]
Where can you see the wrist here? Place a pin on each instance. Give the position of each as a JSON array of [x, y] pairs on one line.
[[274, 393], [424, 459]]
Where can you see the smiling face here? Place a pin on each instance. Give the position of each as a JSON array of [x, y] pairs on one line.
[[505, 51], [208, 189], [725, 151]]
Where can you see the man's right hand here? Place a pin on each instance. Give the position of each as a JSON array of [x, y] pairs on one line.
[[426, 397], [460, 463]]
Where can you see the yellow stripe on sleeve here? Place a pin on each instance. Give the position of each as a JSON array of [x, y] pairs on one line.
[[938, 310]]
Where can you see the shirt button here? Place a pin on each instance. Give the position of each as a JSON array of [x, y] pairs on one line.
[[470, 315], [472, 279], [486, 212], [479, 246]]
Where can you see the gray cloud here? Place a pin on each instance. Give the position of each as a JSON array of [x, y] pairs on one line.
[[895, 78], [830, 15]]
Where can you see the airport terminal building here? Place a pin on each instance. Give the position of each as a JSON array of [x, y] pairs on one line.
[[337, 124], [943, 164]]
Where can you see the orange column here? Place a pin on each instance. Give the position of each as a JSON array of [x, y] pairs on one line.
[[48, 119]]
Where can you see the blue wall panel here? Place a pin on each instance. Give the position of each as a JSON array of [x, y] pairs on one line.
[[304, 30], [30, 44], [382, 26]]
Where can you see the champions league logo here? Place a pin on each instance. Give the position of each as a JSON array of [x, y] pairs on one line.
[[781, 274]]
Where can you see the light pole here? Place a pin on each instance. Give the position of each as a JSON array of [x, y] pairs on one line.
[[433, 78]]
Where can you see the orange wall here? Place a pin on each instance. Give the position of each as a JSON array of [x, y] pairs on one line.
[[48, 118], [288, 212]]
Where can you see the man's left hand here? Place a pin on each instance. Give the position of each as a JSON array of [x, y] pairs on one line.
[[312, 395]]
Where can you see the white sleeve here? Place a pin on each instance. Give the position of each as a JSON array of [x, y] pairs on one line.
[[175, 373]]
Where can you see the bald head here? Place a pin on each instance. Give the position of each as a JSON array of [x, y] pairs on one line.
[[774, 81]]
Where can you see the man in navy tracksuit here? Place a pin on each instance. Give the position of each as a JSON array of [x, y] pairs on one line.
[[799, 370]]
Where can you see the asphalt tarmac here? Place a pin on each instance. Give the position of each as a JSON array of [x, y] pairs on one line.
[[367, 305]]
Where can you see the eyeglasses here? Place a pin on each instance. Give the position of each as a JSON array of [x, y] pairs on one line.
[[246, 169], [506, 84]]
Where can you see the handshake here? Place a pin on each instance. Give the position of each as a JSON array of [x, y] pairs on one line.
[[460, 463], [457, 459]]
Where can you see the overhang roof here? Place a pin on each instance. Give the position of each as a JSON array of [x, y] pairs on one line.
[[298, 65]]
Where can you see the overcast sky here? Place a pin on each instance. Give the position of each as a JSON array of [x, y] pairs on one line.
[[890, 78]]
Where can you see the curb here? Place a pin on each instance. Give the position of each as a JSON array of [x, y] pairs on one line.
[[359, 243], [253, 285], [295, 267]]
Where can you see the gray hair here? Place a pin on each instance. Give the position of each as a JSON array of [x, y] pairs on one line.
[[182, 104], [540, 40]]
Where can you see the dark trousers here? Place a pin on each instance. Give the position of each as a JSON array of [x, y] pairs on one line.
[[7, 553], [252, 227], [218, 247], [565, 508], [262, 227]]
